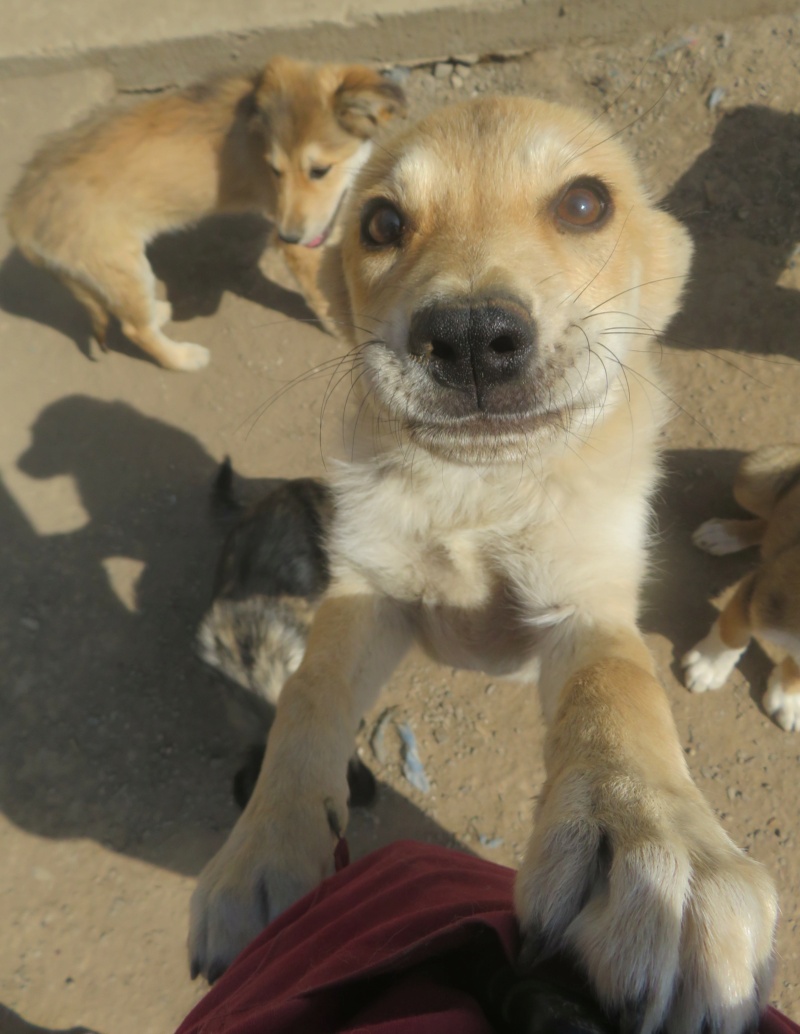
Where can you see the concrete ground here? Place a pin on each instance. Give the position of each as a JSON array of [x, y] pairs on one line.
[[117, 747]]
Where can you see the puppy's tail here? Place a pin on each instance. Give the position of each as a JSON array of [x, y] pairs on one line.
[[224, 503], [765, 476]]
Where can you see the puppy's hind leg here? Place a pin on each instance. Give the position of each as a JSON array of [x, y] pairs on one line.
[[782, 698], [94, 305], [131, 289], [776, 618], [163, 311]]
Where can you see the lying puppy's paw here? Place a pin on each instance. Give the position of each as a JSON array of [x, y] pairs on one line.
[[672, 923], [268, 862], [708, 665]]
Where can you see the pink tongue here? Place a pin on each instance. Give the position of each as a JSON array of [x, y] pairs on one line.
[[316, 242]]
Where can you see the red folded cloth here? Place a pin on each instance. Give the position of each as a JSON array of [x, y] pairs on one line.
[[396, 943]]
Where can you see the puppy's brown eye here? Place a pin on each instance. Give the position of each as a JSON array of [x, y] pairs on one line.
[[319, 172], [584, 205], [381, 224]]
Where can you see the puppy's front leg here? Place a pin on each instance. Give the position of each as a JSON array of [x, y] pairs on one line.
[[305, 264], [628, 868], [282, 845]]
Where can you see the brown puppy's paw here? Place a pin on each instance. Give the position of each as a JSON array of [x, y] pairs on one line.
[[672, 923]]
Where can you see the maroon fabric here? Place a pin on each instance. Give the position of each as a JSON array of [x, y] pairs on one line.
[[368, 951]]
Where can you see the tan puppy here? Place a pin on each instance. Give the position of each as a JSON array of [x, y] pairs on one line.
[[766, 602], [285, 142], [514, 273]]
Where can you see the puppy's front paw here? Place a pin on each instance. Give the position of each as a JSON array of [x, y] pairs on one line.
[[267, 863], [709, 664], [672, 923]]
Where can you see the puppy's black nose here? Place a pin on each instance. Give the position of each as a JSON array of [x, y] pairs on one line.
[[473, 347], [290, 238]]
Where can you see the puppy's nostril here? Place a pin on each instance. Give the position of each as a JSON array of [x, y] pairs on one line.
[[502, 345], [444, 350]]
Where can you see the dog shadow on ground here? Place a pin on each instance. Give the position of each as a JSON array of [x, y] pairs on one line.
[[197, 265], [741, 204], [112, 729]]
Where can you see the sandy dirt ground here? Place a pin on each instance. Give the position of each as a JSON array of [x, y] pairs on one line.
[[117, 747]]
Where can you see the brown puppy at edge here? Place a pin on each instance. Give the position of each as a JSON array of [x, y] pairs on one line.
[[766, 602], [507, 275], [285, 142]]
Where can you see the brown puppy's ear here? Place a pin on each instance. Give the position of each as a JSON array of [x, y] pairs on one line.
[[365, 100]]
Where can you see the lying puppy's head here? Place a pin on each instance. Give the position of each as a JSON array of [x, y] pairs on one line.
[[314, 123], [504, 261]]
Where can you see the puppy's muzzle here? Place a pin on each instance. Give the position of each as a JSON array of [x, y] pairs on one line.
[[474, 348]]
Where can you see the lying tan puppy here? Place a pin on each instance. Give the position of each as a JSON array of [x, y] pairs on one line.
[[510, 273], [766, 602], [285, 142]]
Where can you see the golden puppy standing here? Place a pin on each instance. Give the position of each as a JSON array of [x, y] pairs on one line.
[[285, 142], [511, 274]]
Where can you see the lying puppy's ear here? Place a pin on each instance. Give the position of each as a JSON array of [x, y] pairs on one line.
[[365, 100]]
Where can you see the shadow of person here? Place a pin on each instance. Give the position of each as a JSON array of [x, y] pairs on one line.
[[741, 203], [112, 730], [197, 266]]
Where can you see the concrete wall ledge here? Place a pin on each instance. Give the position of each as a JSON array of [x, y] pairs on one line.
[[150, 44]]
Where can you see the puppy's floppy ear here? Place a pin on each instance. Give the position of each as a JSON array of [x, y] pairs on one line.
[[365, 99]]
